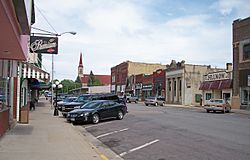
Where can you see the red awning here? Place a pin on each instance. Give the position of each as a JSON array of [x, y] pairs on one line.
[[226, 84], [216, 85]]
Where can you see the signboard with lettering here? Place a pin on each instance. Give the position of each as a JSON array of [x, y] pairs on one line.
[[40, 44], [217, 76]]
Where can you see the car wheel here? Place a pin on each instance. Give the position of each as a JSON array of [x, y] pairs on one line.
[[136, 102], [120, 115], [163, 104], [156, 104], [146, 104], [64, 115], [208, 111], [95, 118]]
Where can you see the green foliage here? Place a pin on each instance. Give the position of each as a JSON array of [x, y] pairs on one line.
[[93, 81], [78, 80], [69, 85]]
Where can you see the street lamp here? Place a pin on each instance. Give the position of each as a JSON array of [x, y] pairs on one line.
[[57, 86], [57, 35]]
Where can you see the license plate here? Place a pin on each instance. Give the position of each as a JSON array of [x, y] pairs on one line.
[[72, 119]]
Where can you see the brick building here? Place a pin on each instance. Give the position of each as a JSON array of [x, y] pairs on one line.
[[241, 64], [159, 83], [120, 81]]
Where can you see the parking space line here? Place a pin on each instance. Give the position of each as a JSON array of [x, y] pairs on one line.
[[140, 147], [106, 134], [100, 124]]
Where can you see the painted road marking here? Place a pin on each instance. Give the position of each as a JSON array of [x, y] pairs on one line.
[[106, 134], [140, 147], [100, 124]]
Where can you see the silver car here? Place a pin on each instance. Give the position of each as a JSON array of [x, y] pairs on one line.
[[155, 101]]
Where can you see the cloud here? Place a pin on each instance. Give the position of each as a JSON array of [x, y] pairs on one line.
[[112, 31], [226, 7]]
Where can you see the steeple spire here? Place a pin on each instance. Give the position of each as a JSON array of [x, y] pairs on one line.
[[80, 66], [80, 62]]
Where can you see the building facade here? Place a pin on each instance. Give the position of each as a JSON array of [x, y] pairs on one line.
[[121, 75], [183, 82], [218, 85], [16, 19], [159, 83], [241, 64]]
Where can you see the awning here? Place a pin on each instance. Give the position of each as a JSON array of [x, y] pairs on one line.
[[216, 85]]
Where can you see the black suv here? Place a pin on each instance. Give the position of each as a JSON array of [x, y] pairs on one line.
[[82, 99]]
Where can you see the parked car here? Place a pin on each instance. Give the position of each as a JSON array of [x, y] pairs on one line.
[[132, 99], [97, 110], [217, 105], [155, 101], [81, 100], [65, 101]]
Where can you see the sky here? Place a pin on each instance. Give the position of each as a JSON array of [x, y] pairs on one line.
[[110, 32]]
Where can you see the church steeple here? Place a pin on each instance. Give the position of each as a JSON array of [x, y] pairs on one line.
[[80, 66]]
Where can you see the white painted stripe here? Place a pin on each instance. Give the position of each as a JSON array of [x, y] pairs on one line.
[[106, 134], [97, 125], [140, 147]]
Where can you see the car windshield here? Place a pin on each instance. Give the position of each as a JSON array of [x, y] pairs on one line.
[[218, 101], [90, 105], [83, 98], [151, 98], [68, 99]]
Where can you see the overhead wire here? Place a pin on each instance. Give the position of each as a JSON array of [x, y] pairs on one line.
[[45, 19]]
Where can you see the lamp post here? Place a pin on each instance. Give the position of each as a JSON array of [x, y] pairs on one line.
[[57, 86]]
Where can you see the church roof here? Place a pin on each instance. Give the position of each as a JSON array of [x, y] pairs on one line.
[[104, 79]]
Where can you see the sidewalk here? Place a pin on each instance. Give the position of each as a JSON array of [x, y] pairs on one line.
[[46, 137]]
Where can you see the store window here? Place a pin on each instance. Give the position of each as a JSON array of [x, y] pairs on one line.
[[246, 52], [208, 96], [245, 96], [4, 92]]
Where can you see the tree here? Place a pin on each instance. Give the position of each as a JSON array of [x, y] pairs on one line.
[[93, 81], [69, 85], [78, 80]]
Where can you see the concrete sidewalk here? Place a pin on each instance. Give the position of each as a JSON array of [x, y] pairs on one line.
[[47, 137]]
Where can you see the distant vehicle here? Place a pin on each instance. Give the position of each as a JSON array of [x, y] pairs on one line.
[[217, 105], [82, 99], [155, 101], [132, 99], [97, 110]]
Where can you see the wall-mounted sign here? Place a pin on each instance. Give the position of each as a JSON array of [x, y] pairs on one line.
[[40, 44], [217, 76]]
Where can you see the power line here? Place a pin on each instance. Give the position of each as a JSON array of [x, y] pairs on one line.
[[46, 19]]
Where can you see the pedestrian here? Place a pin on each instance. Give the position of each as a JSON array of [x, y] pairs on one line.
[[201, 102], [32, 105]]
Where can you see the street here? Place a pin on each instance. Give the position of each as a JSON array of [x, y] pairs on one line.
[[162, 133]]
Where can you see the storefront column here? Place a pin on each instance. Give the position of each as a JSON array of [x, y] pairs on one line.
[[178, 89], [172, 90]]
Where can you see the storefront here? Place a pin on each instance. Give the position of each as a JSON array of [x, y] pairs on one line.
[[245, 89], [217, 85], [159, 83]]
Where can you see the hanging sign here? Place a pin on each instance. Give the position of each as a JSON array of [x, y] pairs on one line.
[[47, 45]]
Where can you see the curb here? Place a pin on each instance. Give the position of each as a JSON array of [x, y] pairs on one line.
[[101, 149]]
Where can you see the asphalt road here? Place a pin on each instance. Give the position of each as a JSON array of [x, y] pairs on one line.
[[171, 133]]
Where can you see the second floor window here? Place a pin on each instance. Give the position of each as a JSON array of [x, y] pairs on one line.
[[246, 52]]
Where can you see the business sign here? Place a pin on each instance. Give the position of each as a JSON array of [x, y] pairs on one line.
[[45, 45], [217, 76], [248, 80]]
